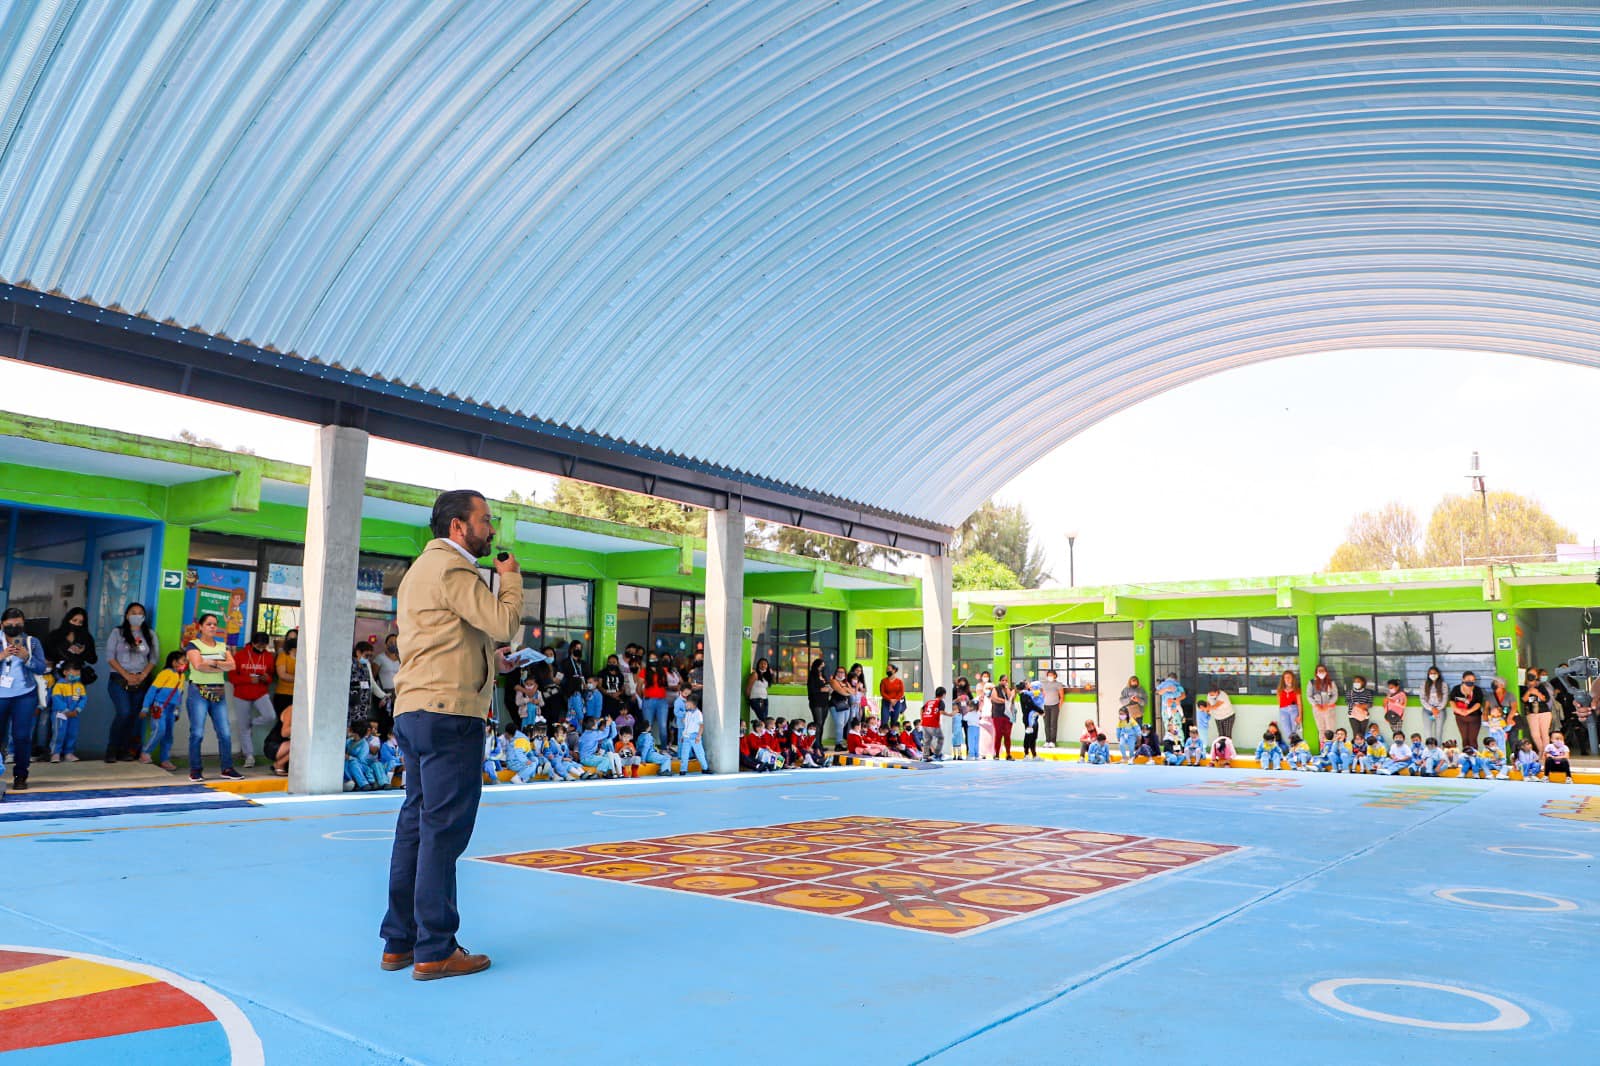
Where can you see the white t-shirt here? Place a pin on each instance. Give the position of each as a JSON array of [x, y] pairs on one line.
[[1050, 692], [758, 687]]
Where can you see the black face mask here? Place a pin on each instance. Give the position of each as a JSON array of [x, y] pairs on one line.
[[13, 631], [289, 645]]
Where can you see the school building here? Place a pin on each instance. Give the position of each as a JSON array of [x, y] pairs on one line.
[[96, 518]]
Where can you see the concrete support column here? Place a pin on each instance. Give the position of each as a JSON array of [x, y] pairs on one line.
[[724, 637], [938, 607], [328, 611]]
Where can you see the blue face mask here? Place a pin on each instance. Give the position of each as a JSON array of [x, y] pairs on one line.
[[549, 658]]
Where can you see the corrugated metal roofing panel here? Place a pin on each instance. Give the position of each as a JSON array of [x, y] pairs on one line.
[[889, 251]]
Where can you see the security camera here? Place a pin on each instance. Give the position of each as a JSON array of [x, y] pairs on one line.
[[1000, 612]]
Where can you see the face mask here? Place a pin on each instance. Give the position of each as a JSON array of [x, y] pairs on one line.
[[13, 631], [289, 645], [72, 679], [549, 658], [136, 619]]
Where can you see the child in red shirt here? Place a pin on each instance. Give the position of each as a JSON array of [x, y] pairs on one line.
[[933, 712]]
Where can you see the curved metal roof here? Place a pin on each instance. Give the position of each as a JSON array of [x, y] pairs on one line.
[[889, 251]]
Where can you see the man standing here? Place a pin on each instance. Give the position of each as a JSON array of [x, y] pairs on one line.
[[449, 625]]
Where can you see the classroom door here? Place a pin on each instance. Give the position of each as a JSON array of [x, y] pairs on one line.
[[1113, 667]]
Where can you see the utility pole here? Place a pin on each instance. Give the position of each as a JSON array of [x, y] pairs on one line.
[[1072, 562], [1475, 475]]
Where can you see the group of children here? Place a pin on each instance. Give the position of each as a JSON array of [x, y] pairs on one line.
[[370, 759], [1415, 757], [601, 746]]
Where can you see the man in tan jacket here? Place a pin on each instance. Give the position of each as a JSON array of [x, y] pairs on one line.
[[449, 623]]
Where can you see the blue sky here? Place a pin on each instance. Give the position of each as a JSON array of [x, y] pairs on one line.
[[1218, 478]]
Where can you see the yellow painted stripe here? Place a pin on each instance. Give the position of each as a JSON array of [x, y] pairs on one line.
[[63, 979]]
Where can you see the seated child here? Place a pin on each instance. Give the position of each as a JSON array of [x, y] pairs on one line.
[[808, 752], [627, 753], [1099, 751], [595, 750], [1432, 760], [904, 743], [586, 702], [1455, 760], [492, 764], [1337, 753], [520, 758], [869, 740], [1127, 736], [1090, 731], [1299, 752], [389, 758], [1269, 753], [1377, 751], [1149, 743], [1194, 749], [1491, 761], [1171, 748], [1416, 755], [755, 751], [648, 752], [1528, 762], [558, 753], [1398, 758], [1557, 757], [357, 768], [1222, 753]]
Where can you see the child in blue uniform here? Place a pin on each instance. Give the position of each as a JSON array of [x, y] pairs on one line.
[[521, 760], [1432, 760], [1127, 736], [1099, 751], [1299, 752], [161, 705], [1340, 757], [1270, 752], [1491, 761], [649, 753], [67, 697], [1194, 749], [358, 766], [595, 750], [1399, 757], [1528, 763], [389, 759]]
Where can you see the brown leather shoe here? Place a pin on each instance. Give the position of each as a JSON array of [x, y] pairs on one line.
[[458, 965], [396, 961]]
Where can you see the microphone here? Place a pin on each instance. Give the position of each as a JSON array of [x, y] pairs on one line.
[[503, 556]]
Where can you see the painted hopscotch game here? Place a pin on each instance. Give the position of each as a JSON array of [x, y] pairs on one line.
[[930, 875]]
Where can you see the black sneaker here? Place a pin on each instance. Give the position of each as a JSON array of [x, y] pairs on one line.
[[194, 775], [19, 784], [232, 775]]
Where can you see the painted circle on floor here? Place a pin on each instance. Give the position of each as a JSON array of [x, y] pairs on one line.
[[1553, 904], [1188, 847], [819, 899], [796, 869], [778, 847], [1094, 795], [1053, 847], [541, 859], [701, 858], [1508, 1016], [1003, 897], [629, 813], [715, 882], [890, 882], [1108, 866], [1525, 851], [938, 916], [624, 848], [959, 868], [1061, 882], [359, 834], [1289, 809], [1559, 828], [914, 847], [53, 988], [1153, 858], [795, 797]]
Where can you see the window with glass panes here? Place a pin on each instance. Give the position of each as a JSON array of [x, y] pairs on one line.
[[1236, 655], [557, 611], [1403, 646], [1066, 648], [790, 637], [905, 652], [974, 652]]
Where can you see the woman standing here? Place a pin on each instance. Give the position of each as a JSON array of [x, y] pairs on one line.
[[1220, 708], [892, 694], [1536, 709], [653, 705], [1435, 694], [209, 662], [288, 658], [1466, 699], [840, 694], [817, 697], [999, 714], [1324, 703], [131, 652], [1291, 710], [22, 660], [761, 682]]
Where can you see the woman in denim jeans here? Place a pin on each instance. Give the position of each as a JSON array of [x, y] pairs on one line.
[[132, 653], [209, 661]]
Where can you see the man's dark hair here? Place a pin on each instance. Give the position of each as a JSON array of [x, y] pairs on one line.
[[457, 503]]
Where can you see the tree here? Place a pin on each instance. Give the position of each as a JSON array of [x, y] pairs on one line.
[[833, 549], [190, 437], [1518, 527], [1380, 540], [980, 570], [629, 508], [1003, 533]]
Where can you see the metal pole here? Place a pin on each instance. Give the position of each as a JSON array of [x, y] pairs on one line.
[[1072, 562]]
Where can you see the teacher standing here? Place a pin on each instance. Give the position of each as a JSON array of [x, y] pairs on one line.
[[449, 624]]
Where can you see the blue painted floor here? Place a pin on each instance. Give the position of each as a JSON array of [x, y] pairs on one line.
[[1210, 964]]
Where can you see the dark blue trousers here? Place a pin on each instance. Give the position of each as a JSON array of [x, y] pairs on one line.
[[16, 718], [444, 781]]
